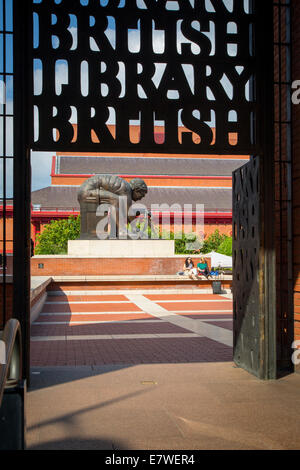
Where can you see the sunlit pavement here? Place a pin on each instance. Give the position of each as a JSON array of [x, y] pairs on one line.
[[132, 328], [142, 370]]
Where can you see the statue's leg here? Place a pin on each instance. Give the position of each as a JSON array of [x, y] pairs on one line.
[[83, 220], [88, 220]]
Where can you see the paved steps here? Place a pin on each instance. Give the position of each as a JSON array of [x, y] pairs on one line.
[[140, 281], [97, 327]]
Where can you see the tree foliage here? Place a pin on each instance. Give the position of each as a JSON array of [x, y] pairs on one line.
[[54, 238], [212, 242], [220, 243], [225, 248]]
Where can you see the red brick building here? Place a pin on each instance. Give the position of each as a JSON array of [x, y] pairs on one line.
[[171, 179]]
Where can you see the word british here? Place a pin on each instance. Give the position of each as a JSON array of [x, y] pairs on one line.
[[101, 67]]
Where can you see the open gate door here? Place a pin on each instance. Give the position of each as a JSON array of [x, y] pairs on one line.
[[213, 69], [254, 302]]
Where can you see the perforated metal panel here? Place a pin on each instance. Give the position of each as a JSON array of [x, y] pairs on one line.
[[248, 309], [207, 86], [191, 68]]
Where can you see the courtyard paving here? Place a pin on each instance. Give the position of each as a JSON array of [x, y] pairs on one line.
[[150, 370], [88, 328]]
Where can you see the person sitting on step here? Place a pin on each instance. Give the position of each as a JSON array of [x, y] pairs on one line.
[[189, 268], [202, 268]]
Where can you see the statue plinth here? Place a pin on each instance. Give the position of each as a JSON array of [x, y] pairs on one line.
[[121, 248]]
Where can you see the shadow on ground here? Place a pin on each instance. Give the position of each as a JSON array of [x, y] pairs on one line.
[[79, 444], [45, 377]]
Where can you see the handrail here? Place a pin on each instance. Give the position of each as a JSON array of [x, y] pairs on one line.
[[11, 371]]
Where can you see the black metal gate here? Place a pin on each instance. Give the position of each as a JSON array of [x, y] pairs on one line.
[[14, 237], [6, 155], [247, 279], [254, 298], [214, 68], [263, 291]]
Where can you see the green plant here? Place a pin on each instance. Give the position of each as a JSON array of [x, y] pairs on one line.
[[213, 241], [225, 248], [182, 241], [54, 238], [186, 243]]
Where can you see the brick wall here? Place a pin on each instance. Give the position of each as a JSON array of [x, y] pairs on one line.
[[206, 182], [66, 266], [9, 303], [285, 329], [132, 285], [9, 232], [296, 166]]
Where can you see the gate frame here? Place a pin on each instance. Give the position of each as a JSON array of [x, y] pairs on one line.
[[22, 179], [22, 186]]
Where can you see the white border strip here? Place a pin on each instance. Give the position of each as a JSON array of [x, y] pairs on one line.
[[122, 312], [101, 337], [65, 302]]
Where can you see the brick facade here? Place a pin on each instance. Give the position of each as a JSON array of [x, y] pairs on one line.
[[8, 294], [67, 266], [296, 166]]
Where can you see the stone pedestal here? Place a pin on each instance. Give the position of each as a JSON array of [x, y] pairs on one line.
[[121, 248]]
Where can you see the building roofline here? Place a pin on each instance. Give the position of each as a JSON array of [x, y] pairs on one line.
[[85, 175]]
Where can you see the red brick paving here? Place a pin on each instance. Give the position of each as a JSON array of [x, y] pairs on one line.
[[195, 305], [205, 315], [83, 298], [126, 350], [87, 307], [225, 324], [106, 329], [94, 317], [185, 297]]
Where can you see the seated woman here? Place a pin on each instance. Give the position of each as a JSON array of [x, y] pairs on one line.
[[188, 268], [202, 268]]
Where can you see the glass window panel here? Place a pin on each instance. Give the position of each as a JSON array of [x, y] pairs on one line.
[[1, 136], [2, 94], [9, 53], [9, 15], [9, 137], [7, 166], [9, 88], [1, 53], [1, 15]]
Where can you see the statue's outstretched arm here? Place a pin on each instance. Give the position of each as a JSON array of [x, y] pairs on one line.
[[108, 196]]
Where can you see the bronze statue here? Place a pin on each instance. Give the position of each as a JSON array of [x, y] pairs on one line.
[[107, 191]]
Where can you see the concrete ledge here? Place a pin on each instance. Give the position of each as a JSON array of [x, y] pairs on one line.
[[38, 295], [38, 284], [135, 282], [121, 248], [140, 278], [96, 266], [106, 257]]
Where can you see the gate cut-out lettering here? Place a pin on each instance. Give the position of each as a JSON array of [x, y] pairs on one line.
[[147, 61]]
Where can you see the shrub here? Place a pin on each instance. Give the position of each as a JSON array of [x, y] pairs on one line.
[[213, 241], [225, 248], [54, 238], [187, 244]]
